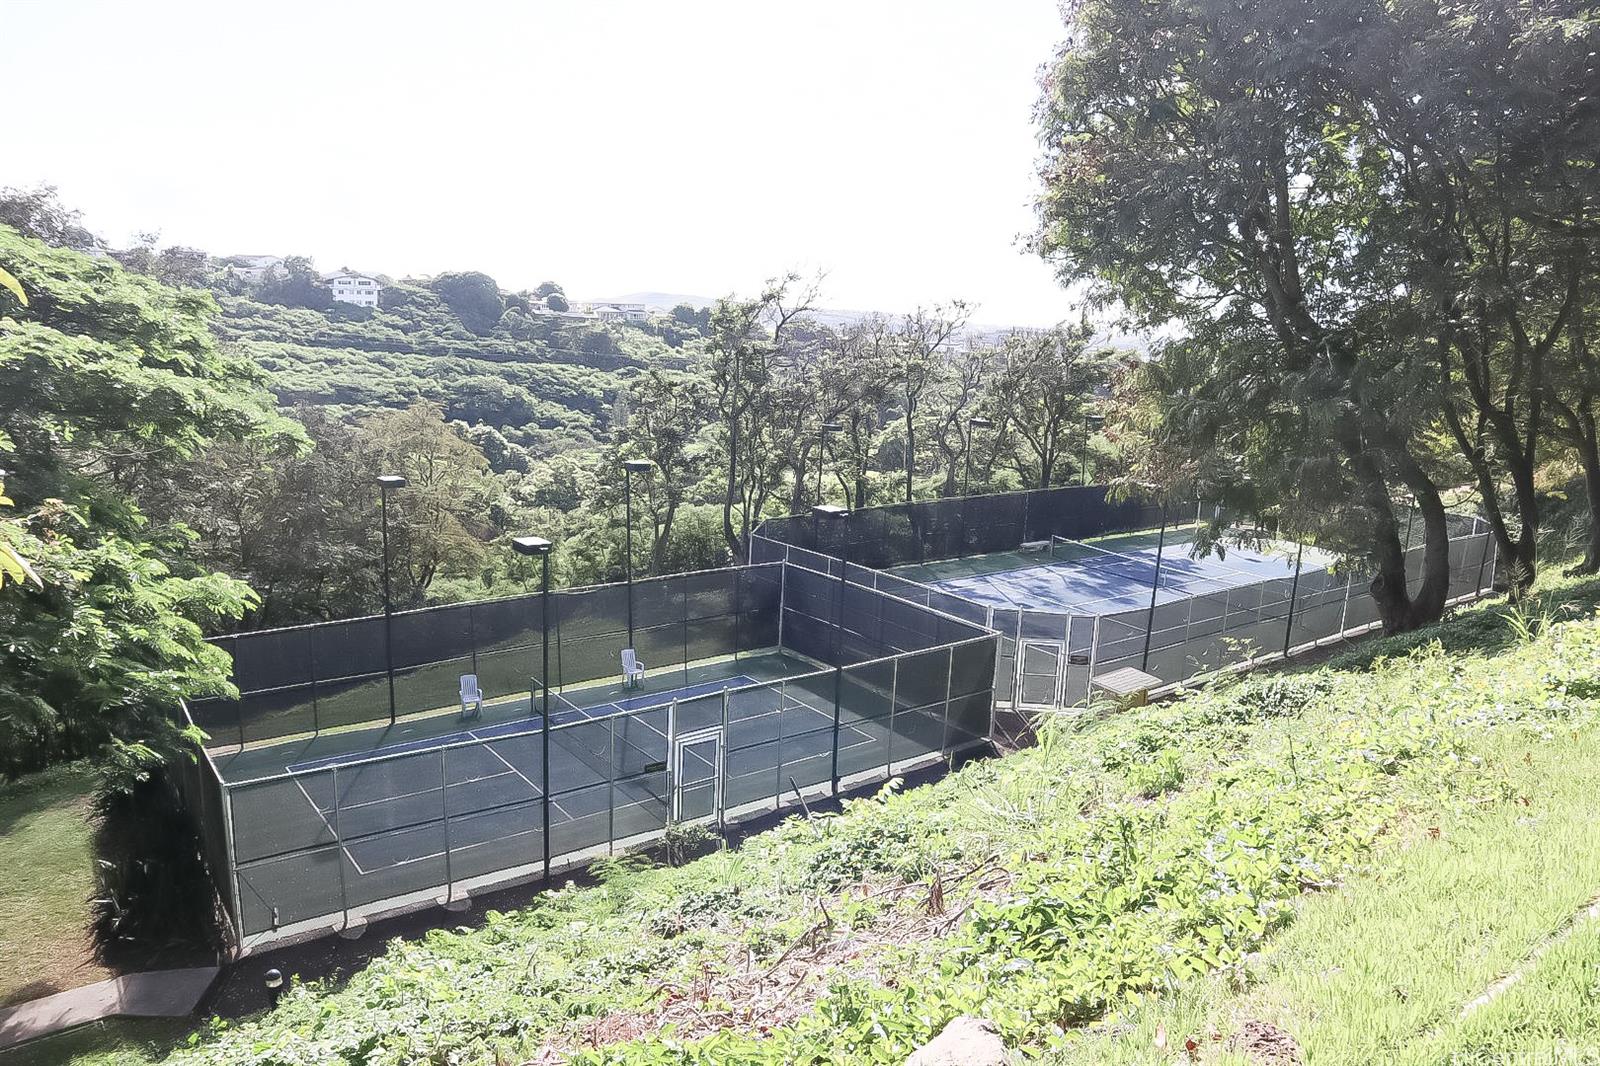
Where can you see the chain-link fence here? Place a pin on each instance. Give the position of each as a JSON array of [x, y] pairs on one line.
[[793, 683], [1065, 621]]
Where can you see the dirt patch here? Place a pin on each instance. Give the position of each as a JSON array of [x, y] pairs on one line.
[[742, 993], [1267, 1044]]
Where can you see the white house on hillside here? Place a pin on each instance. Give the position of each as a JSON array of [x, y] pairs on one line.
[[358, 289], [252, 268], [615, 312]]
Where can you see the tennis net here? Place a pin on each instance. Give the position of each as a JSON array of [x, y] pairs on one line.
[[1066, 550]]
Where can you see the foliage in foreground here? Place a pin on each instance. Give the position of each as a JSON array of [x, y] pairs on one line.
[[108, 382], [1107, 881]]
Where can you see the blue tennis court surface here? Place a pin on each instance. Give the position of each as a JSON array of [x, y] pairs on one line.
[[564, 712], [1083, 579]]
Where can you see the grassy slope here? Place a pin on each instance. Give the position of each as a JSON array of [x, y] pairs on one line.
[[1352, 852], [48, 864]]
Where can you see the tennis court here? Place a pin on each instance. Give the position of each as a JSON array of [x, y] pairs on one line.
[[764, 684], [1070, 579], [1111, 573]]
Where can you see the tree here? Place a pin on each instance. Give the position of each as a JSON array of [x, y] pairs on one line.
[[857, 383], [557, 302], [548, 288], [1490, 196], [1039, 395], [966, 376], [109, 383], [296, 516], [690, 317], [440, 521], [745, 338], [172, 265], [663, 423], [1206, 165], [39, 213], [915, 366], [473, 296], [295, 284]]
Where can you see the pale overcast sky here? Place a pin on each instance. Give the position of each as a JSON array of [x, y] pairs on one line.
[[695, 146]]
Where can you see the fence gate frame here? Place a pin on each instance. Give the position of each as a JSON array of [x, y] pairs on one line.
[[680, 745], [1058, 648]]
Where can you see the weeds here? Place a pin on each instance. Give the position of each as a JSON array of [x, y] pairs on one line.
[[1121, 859]]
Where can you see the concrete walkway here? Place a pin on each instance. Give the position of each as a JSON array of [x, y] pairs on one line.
[[154, 994]]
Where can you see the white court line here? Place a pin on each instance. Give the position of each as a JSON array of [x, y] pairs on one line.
[[541, 791], [334, 832]]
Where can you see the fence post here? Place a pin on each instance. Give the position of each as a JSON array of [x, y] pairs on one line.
[[1155, 588], [338, 843], [544, 754], [1294, 589], [316, 709], [777, 782], [894, 699], [949, 675], [722, 766], [1483, 557], [611, 784], [838, 685], [233, 857], [994, 685], [672, 767], [1094, 657], [444, 810], [838, 670]]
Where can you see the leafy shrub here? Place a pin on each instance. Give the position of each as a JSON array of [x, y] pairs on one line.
[[153, 897], [1163, 773], [878, 835], [1278, 696]]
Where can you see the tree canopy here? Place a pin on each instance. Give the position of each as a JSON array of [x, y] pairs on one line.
[[1332, 204]]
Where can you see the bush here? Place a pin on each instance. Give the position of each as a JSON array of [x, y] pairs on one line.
[[153, 897]]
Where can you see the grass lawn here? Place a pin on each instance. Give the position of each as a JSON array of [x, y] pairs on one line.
[[48, 878], [1332, 862], [1381, 968]]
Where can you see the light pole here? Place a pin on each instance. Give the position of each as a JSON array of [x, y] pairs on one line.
[[386, 484], [541, 547], [631, 467], [822, 449], [832, 513], [975, 422], [1088, 421]]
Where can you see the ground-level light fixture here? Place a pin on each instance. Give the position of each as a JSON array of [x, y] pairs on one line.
[[273, 979]]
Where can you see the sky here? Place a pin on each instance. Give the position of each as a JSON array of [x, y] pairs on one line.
[[696, 146]]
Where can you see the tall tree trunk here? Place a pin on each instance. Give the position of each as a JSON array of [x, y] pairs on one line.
[[1577, 425], [911, 449], [732, 492], [658, 546], [1589, 452], [1398, 609]]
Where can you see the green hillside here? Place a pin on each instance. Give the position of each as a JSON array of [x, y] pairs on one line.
[[1341, 857], [546, 383]]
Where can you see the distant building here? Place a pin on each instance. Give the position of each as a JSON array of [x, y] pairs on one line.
[[358, 289], [251, 268], [615, 312]]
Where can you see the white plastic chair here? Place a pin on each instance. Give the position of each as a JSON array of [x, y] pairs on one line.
[[471, 697], [632, 668]]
